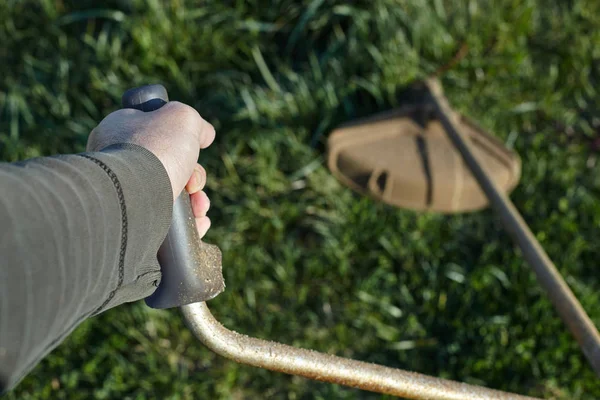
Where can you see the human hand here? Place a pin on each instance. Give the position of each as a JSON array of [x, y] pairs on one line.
[[175, 133]]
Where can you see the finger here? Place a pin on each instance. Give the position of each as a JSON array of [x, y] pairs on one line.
[[208, 134], [188, 118], [202, 225], [197, 180], [200, 204]]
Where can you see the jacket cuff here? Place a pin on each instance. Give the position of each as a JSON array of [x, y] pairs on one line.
[[146, 200]]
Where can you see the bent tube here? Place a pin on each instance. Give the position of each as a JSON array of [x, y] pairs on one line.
[[325, 367]]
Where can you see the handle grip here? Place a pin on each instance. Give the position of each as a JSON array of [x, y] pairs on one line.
[[191, 269]]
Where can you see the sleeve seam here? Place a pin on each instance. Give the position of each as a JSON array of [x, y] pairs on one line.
[[121, 197]]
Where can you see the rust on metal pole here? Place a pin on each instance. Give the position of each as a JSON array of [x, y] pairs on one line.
[[325, 367], [559, 293]]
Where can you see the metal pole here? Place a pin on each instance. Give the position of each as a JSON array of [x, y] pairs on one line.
[[565, 302], [325, 367]]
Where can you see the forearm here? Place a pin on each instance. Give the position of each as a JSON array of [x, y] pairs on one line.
[[79, 235]]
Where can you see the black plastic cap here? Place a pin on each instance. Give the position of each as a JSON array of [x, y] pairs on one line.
[[145, 98]]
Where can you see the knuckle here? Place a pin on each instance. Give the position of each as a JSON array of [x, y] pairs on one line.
[[209, 129], [191, 121], [208, 135], [186, 114]]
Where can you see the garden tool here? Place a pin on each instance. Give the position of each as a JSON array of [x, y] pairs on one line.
[[405, 158], [429, 157], [191, 275]]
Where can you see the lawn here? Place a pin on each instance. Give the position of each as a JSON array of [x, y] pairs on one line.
[[306, 261]]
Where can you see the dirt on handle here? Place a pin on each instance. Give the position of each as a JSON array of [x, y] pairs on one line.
[[212, 267]]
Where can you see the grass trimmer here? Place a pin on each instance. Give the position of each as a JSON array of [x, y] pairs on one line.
[[192, 275]]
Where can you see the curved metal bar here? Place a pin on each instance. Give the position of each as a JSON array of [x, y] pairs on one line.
[[325, 367]]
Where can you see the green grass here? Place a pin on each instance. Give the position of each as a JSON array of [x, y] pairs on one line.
[[307, 262]]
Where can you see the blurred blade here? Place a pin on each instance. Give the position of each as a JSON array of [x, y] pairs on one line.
[[405, 159]]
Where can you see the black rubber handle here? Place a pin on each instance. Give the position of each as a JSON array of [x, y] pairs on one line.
[[191, 269], [145, 98]]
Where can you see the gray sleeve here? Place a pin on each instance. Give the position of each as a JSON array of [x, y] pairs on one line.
[[78, 235]]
